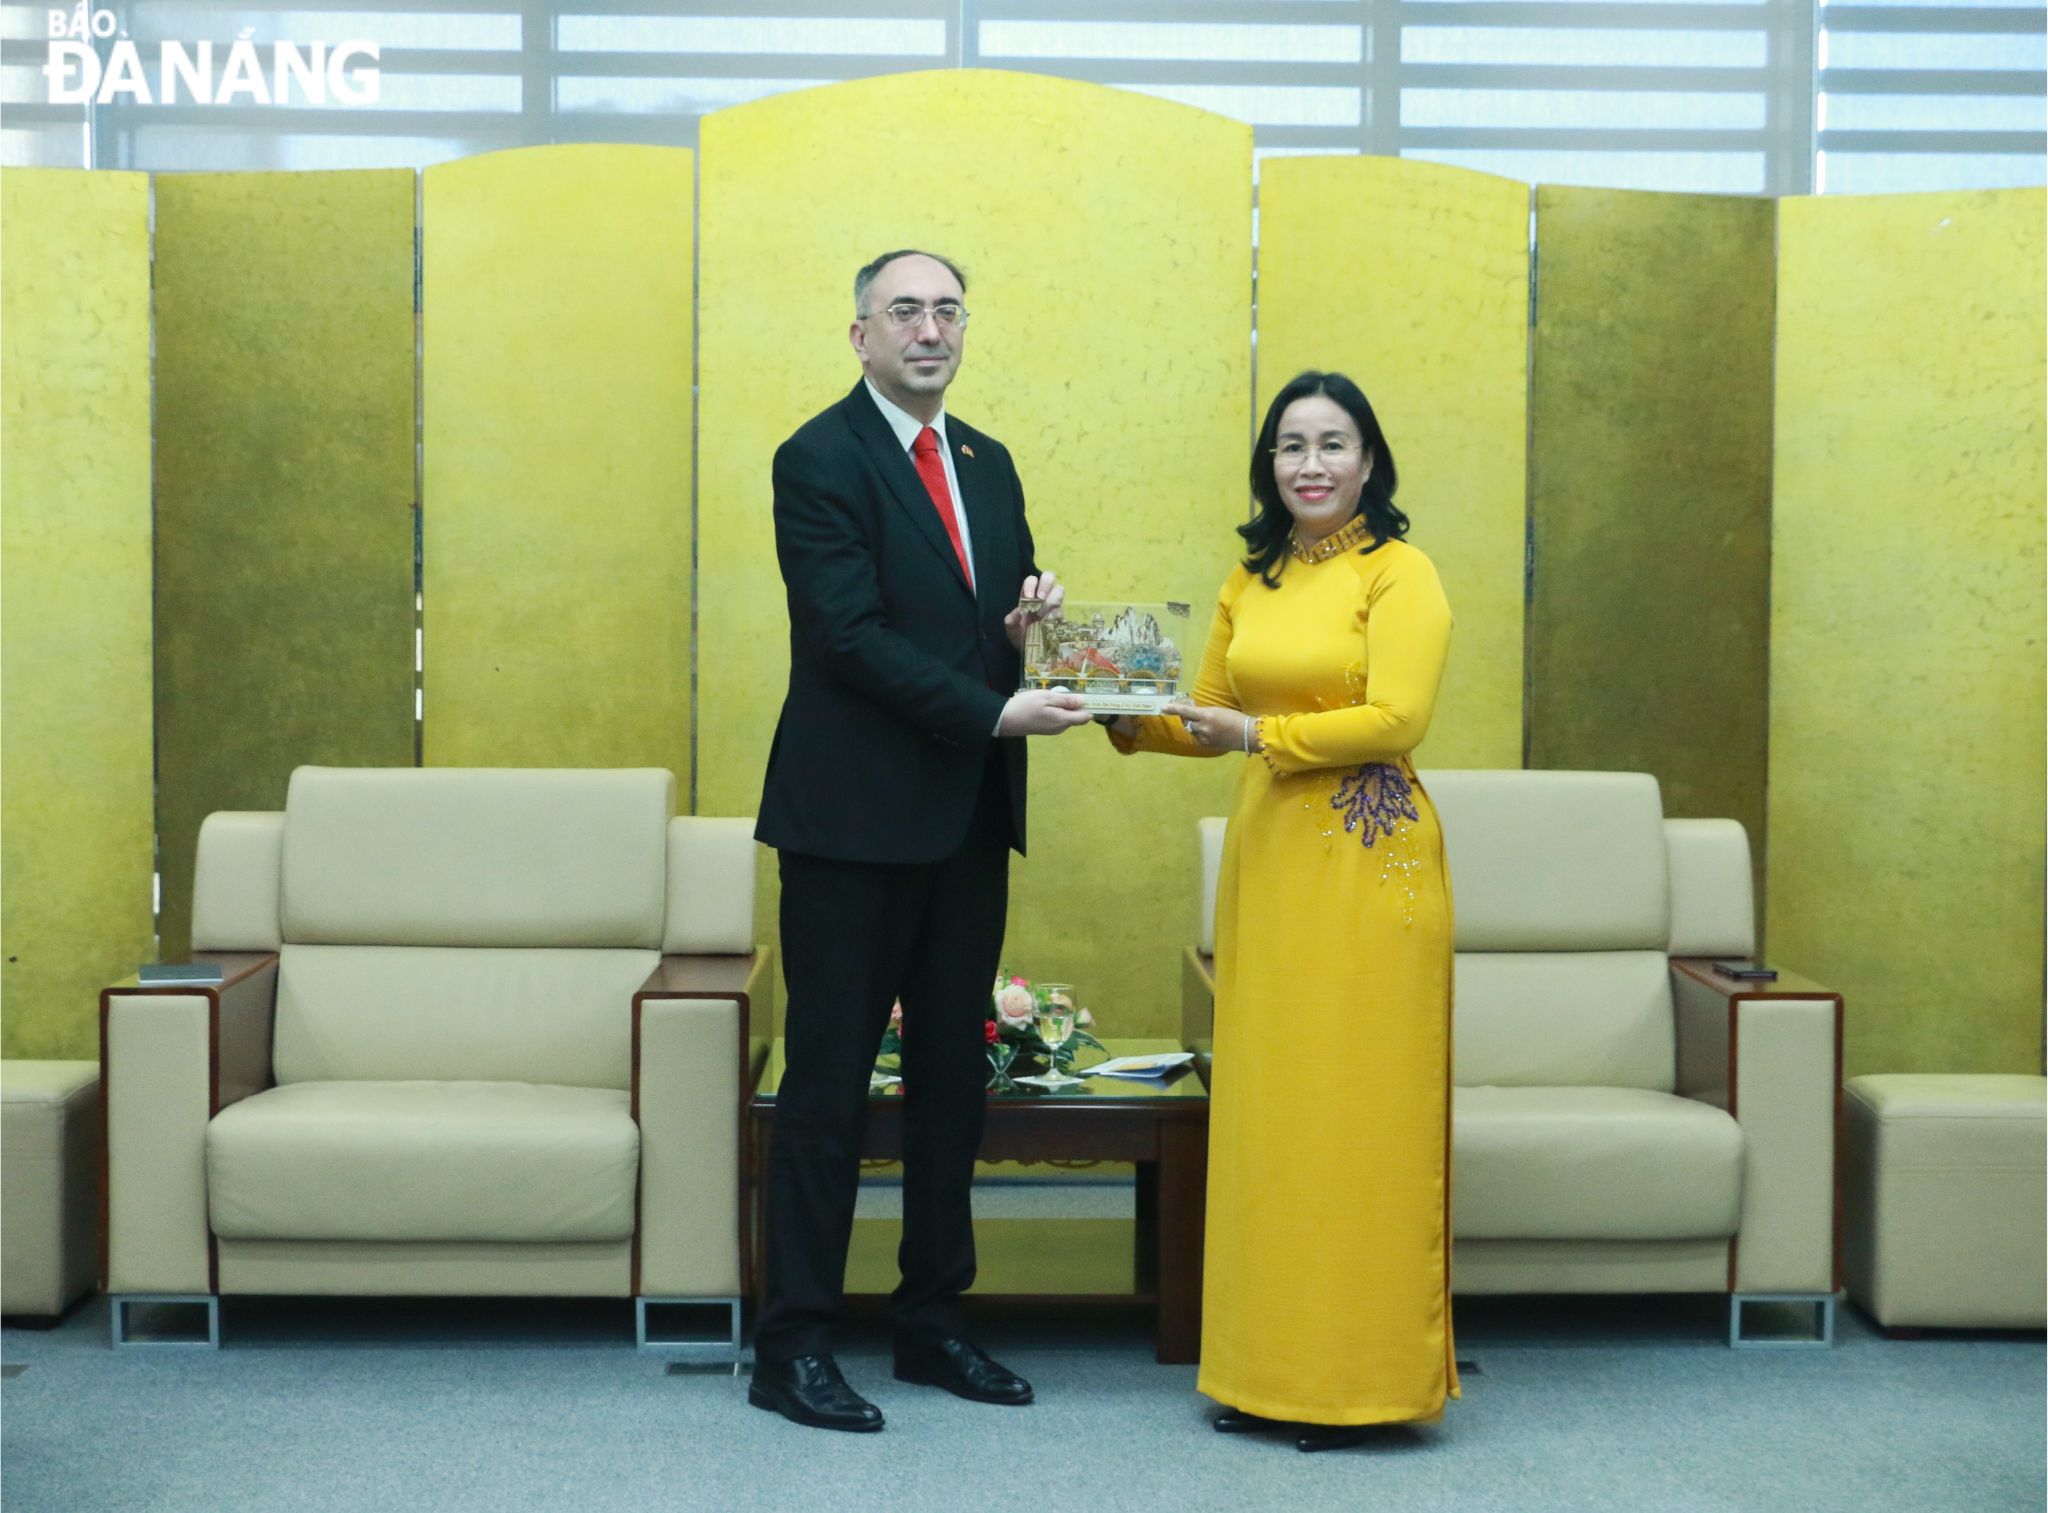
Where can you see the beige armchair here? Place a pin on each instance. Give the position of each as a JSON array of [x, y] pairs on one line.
[[478, 1032], [1623, 1119]]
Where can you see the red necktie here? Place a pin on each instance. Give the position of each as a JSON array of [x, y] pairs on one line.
[[932, 469]]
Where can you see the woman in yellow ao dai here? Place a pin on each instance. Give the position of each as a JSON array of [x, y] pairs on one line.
[[1326, 1301]]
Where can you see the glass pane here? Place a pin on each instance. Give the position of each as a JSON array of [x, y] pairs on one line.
[[667, 96], [1848, 112], [1942, 4], [1923, 50], [845, 36], [203, 23], [1583, 48], [26, 23], [1264, 104], [23, 84], [44, 147], [1906, 172], [1699, 172], [433, 92], [1587, 109], [1236, 43], [184, 147]]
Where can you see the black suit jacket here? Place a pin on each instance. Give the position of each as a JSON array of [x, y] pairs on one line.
[[898, 671]]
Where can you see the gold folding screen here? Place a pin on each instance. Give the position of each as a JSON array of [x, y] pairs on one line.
[[1413, 278], [1105, 239], [284, 491], [74, 606], [1907, 603], [1650, 494], [555, 373]]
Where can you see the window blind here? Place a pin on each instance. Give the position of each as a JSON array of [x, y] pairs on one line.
[[1740, 96]]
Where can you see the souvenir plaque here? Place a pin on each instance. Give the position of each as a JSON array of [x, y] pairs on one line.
[[1121, 658]]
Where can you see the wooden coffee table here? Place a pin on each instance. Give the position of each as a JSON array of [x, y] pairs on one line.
[[1161, 1127]]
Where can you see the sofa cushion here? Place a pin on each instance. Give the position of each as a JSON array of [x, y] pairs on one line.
[[236, 875], [498, 1161], [453, 856], [391, 1013], [1555, 861], [1592, 1163], [1713, 905], [710, 886], [1578, 1018]]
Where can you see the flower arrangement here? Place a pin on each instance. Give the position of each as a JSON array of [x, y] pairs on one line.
[[1012, 1025]]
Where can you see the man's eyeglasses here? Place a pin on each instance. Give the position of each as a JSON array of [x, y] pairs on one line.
[[906, 313], [1335, 453]]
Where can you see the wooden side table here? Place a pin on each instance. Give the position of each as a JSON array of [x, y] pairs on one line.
[[1162, 1128]]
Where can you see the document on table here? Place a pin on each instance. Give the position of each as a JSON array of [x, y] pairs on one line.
[[1141, 1066]]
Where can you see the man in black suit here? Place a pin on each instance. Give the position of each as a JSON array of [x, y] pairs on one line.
[[894, 792]]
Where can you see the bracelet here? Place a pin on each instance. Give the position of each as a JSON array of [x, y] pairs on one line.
[[1249, 722]]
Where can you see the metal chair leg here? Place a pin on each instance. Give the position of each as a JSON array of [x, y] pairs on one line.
[[1823, 1304], [712, 1350], [123, 1339]]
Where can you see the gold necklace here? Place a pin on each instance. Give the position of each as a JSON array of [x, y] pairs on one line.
[[1346, 536]]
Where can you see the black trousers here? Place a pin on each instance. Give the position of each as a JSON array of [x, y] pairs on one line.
[[856, 936]]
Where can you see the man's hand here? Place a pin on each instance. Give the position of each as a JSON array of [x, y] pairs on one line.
[[1050, 594], [1041, 711]]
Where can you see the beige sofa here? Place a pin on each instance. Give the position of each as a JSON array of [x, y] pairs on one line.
[[49, 1205], [1623, 1119], [479, 1032]]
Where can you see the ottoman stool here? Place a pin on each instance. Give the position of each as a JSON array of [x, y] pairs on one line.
[[1942, 1189], [49, 1186]]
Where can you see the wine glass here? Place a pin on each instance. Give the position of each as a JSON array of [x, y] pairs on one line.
[[1000, 1054], [1055, 1018]]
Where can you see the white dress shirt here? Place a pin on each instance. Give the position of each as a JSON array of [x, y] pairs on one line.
[[906, 426]]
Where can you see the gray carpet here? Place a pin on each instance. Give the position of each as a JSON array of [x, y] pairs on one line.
[[1576, 1404]]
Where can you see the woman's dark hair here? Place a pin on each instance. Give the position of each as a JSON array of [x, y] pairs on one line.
[[1267, 531]]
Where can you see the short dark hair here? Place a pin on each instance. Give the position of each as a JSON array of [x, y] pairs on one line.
[[1267, 531], [866, 276]]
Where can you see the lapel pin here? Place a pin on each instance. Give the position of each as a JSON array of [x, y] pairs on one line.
[[966, 450]]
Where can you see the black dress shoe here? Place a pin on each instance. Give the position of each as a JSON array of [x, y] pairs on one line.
[[809, 1390], [1237, 1421], [963, 1369], [1333, 1436]]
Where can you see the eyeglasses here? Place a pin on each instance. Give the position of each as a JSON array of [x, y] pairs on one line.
[[1335, 453], [906, 313]]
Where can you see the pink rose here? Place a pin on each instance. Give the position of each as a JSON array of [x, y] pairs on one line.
[[1015, 1006], [1083, 1019]]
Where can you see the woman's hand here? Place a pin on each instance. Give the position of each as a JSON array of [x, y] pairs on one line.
[[1221, 729], [1050, 594]]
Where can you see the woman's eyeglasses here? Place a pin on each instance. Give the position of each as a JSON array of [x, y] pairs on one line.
[[1295, 453]]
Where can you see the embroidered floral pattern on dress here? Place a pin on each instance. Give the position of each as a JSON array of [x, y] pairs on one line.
[[1378, 802], [1377, 798]]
